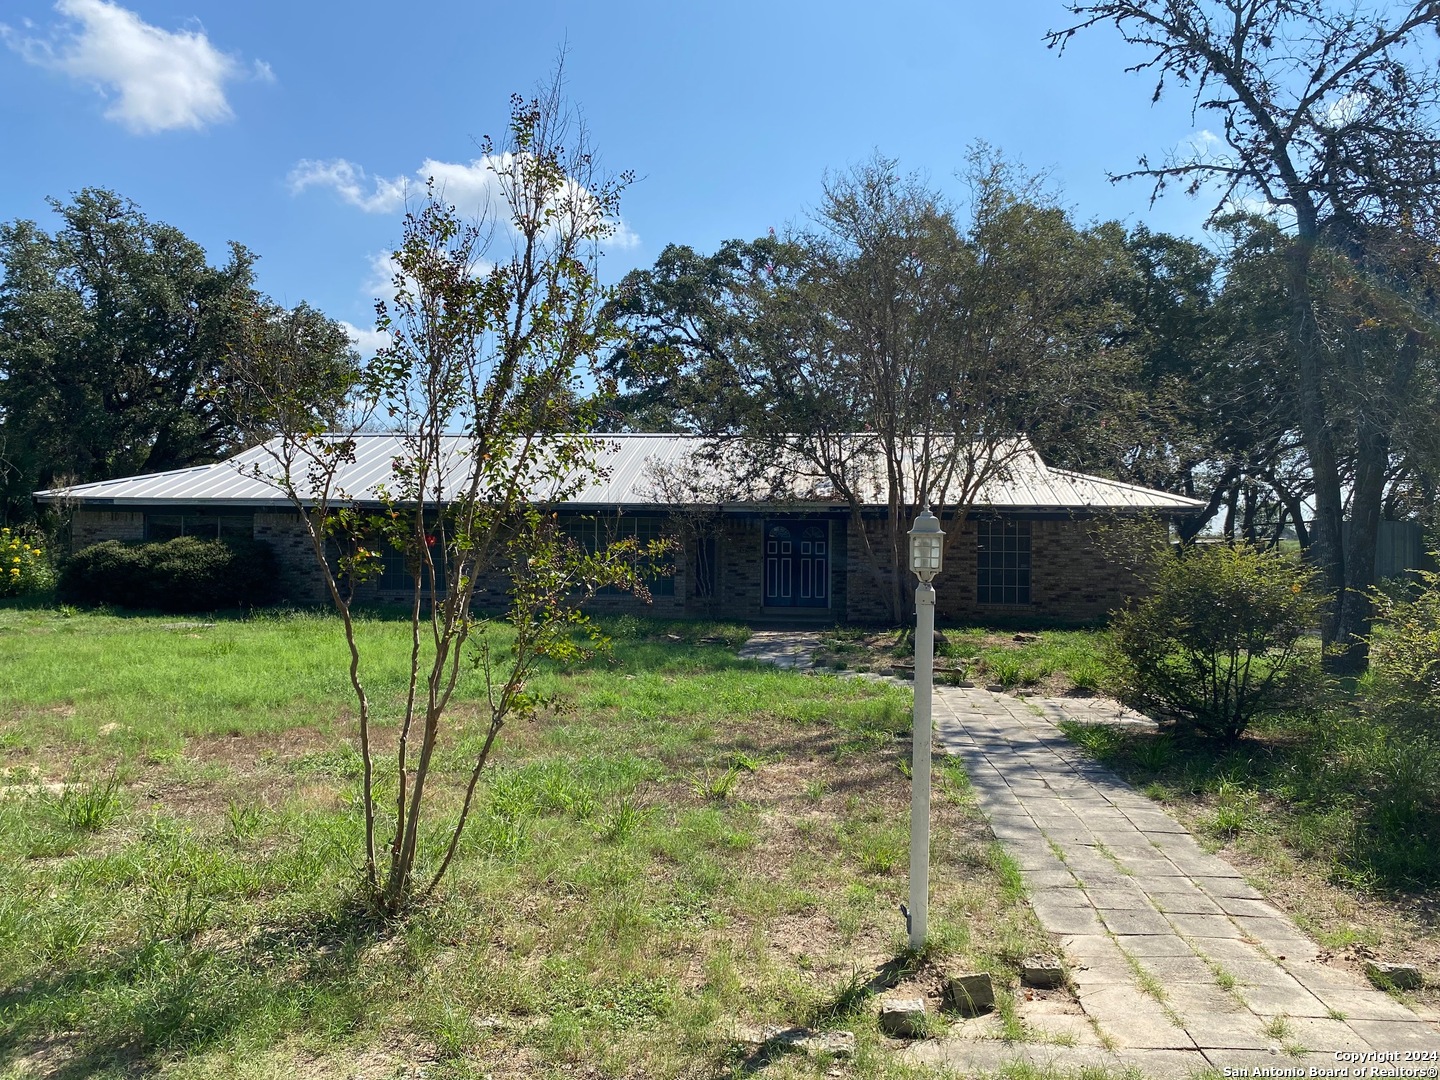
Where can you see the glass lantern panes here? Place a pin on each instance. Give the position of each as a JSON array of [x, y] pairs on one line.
[[925, 552]]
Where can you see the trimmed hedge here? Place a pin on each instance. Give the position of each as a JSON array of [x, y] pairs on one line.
[[185, 574]]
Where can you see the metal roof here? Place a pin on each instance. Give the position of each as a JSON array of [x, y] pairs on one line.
[[630, 473]]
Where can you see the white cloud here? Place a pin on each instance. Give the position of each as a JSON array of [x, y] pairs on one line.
[[474, 188], [369, 342], [1346, 109], [156, 80], [1203, 145], [381, 281], [349, 181]]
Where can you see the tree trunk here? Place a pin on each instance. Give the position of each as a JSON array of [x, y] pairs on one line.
[[1326, 549], [1372, 464]]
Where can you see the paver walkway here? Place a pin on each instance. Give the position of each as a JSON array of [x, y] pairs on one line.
[[783, 648], [1169, 948], [1180, 965]]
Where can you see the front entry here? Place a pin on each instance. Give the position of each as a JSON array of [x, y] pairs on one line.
[[797, 564]]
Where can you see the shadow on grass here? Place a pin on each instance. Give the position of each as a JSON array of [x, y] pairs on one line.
[[1336, 787], [169, 997]]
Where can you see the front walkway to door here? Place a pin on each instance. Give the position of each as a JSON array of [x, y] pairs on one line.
[[1180, 966]]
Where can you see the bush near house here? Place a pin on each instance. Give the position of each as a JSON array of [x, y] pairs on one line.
[[24, 568], [184, 574], [1221, 639]]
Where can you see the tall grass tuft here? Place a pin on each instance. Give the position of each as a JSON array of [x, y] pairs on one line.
[[94, 806]]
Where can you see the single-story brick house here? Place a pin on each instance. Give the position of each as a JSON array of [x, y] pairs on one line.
[[1026, 550]]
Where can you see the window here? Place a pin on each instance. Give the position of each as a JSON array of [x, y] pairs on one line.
[[594, 533], [398, 566], [210, 526], [1002, 562]]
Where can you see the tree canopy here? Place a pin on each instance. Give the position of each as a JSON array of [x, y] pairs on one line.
[[113, 330]]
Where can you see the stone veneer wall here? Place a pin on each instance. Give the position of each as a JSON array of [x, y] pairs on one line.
[[1071, 578]]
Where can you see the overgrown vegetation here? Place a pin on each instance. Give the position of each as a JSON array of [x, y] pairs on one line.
[[181, 850], [184, 574], [1061, 661], [1404, 679], [1219, 639], [24, 567]]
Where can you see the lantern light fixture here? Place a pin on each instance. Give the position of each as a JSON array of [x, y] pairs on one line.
[[927, 545]]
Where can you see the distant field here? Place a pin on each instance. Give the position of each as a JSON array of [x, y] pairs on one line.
[[680, 843]]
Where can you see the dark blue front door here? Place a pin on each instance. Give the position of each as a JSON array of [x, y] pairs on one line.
[[797, 564]]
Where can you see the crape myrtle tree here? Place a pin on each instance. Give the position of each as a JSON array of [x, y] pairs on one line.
[[111, 330], [1327, 114], [891, 352], [492, 325]]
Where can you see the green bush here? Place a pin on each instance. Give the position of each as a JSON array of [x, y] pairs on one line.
[[24, 569], [1404, 685], [1220, 639], [185, 574]]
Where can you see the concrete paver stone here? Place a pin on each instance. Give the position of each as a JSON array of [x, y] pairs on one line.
[[1134, 889]]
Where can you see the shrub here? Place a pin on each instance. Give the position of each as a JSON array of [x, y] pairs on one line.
[[24, 569], [1220, 639], [185, 574], [1404, 685]]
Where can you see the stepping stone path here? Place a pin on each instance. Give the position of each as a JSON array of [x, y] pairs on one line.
[[1179, 964]]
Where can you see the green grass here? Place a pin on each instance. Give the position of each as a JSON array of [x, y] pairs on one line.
[[678, 841], [1330, 789], [1060, 659]]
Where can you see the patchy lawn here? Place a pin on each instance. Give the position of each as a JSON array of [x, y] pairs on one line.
[[1319, 815], [1052, 661], [681, 845]]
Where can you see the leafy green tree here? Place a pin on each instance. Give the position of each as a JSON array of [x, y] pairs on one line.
[[493, 328], [111, 331], [1327, 113], [896, 343]]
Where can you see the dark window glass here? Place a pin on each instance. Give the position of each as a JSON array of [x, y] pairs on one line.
[[1002, 562], [593, 534], [207, 526], [163, 526]]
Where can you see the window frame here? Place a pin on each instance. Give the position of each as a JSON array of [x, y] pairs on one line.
[[1004, 562]]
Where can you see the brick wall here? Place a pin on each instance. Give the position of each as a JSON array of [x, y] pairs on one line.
[[1072, 577], [740, 578], [96, 526], [1083, 579], [301, 581], [740, 581]]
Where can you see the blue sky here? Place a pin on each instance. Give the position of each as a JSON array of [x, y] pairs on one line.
[[212, 116]]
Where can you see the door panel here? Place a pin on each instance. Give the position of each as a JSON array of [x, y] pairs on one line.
[[797, 564]]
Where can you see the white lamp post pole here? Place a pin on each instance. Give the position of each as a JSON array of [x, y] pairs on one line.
[[927, 545], [920, 764]]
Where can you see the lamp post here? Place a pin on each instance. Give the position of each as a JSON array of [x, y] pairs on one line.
[[927, 544]]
